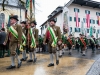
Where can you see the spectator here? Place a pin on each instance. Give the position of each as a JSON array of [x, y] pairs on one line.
[[2, 39]]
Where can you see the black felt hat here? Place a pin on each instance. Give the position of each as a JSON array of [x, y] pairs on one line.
[[53, 20], [14, 17], [23, 22], [70, 35], [34, 22]]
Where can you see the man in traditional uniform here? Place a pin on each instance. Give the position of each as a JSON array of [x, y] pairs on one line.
[[92, 43], [61, 52], [24, 58], [40, 44], [14, 41], [70, 43], [77, 44], [32, 50], [53, 48], [83, 44]]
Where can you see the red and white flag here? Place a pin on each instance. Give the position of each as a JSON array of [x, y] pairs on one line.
[[77, 22], [88, 20], [98, 17], [2, 24]]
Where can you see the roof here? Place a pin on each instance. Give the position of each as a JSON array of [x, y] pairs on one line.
[[13, 6], [57, 10], [89, 3], [54, 13]]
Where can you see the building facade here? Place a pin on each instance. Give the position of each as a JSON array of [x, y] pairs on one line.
[[82, 15], [11, 7]]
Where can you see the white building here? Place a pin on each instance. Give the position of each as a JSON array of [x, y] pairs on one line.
[[11, 7], [82, 7]]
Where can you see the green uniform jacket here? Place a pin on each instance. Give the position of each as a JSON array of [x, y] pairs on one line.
[[40, 40], [18, 28], [77, 42], [63, 39], [68, 43], [81, 44]]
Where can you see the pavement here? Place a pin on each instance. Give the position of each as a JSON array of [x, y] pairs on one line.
[[76, 64]]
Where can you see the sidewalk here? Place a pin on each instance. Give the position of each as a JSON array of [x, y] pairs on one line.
[[95, 68]]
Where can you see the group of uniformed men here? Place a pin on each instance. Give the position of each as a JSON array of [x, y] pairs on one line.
[[53, 38]]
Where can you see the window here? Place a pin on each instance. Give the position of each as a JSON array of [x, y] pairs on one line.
[[98, 13], [97, 21], [70, 29], [87, 30], [87, 12], [94, 30], [45, 26], [75, 19], [42, 27], [78, 19], [93, 21], [84, 20], [98, 31], [56, 19], [77, 29], [70, 18], [76, 10]]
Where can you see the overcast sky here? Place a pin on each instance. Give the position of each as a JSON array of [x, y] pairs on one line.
[[46, 7]]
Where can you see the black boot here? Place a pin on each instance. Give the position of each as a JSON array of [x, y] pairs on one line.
[[57, 62], [35, 59], [60, 56], [11, 67], [22, 59], [50, 65], [83, 55], [19, 64], [30, 60], [70, 53]]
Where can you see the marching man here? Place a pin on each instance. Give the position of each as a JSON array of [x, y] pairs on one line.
[[53, 35], [83, 44], [92, 43], [15, 32], [23, 24], [33, 41], [70, 43]]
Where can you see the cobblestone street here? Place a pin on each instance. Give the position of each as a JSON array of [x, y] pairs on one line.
[[69, 65]]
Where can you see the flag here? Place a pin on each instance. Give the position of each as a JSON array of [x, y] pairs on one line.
[[98, 17], [76, 15], [2, 24], [91, 31], [88, 20], [30, 8], [27, 4]]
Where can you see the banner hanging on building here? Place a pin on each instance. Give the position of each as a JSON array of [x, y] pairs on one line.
[[65, 21], [76, 15]]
